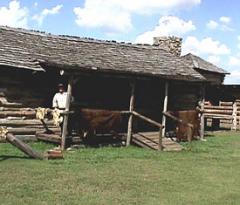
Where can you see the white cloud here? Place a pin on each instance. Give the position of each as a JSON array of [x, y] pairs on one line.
[[205, 46], [234, 61], [225, 19], [116, 15], [222, 24], [110, 19], [167, 26], [46, 12], [238, 38], [14, 15], [214, 59], [212, 24]]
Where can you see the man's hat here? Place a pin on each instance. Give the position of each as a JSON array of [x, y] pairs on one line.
[[60, 85]]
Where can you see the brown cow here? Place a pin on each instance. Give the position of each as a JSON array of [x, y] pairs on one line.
[[91, 121], [183, 131]]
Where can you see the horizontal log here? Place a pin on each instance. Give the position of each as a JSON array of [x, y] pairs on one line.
[[217, 116], [6, 122], [224, 120], [218, 107], [147, 119], [9, 104], [24, 130], [27, 138], [16, 109], [177, 119], [27, 114], [40, 126], [218, 111], [49, 137], [225, 103]]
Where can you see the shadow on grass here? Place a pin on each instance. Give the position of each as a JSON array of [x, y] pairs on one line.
[[6, 157]]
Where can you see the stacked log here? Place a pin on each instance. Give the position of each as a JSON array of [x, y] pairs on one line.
[[20, 94], [23, 124], [228, 114]]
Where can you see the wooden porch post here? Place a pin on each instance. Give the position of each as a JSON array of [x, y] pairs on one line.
[[165, 107], [65, 119], [131, 107], [202, 114]]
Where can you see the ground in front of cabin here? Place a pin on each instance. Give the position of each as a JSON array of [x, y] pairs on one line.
[[209, 174]]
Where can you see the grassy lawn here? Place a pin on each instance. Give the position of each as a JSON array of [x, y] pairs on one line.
[[209, 174]]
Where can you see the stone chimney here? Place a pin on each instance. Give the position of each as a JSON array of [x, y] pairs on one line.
[[171, 44]]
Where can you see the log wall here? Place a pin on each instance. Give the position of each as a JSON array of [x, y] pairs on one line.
[[21, 92]]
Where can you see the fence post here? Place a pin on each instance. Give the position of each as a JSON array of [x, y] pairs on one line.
[[160, 147], [234, 116], [202, 114], [131, 107]]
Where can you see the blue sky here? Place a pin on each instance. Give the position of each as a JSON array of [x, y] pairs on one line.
[[209, 28]]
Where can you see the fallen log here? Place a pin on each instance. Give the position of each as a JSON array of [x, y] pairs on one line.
[[22, 146]]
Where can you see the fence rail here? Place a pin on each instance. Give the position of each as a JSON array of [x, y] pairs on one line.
[[227, 114]]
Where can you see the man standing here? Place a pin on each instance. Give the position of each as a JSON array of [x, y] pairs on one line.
[[60, 98]]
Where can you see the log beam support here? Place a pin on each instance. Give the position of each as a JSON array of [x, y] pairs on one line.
[[66, 117], [202, 128], [131, 107], [165, 107]]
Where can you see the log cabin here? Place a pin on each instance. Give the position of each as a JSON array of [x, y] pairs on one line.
[[213, 75], [108, 75]]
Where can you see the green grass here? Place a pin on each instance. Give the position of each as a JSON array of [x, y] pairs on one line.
[[209, 174]]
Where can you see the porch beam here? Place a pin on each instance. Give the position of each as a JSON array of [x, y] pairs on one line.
[[165, 107], [131, 108], [66, 117]]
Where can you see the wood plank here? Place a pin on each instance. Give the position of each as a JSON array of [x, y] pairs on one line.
[[131, 107], [150, 140]]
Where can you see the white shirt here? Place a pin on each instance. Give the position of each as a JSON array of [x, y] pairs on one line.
[[59, 100]]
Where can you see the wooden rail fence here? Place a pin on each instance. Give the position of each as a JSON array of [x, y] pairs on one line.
[[225, 115]]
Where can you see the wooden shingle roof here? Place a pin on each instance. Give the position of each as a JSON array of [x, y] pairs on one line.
[[199, 63], [21, 48]]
